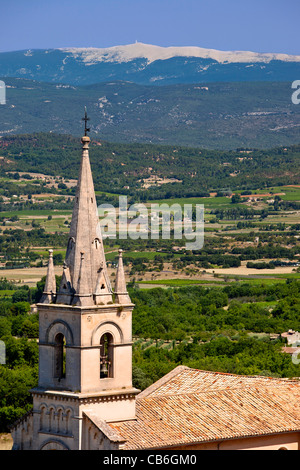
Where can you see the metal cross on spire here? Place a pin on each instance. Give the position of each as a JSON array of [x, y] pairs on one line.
[[86, 119]]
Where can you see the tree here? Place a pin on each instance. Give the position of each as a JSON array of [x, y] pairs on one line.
[[20, 295], [236, 198], [20, 308], [5, 327], [140, 379], [57, 259]]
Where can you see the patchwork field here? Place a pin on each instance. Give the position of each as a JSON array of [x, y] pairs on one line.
[[224, 231]]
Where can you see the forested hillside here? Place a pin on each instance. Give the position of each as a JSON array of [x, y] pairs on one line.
[[127, 168], [206, 115]]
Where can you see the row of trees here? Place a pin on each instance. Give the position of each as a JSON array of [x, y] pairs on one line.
[[241, 355], [209, 337], [187, 312]]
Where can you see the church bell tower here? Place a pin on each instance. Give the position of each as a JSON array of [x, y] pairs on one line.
[[85, 336]]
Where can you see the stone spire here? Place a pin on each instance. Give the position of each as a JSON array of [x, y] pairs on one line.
[[65, 292], [85, 235], [83, 295], [121, 294], [49, 293]]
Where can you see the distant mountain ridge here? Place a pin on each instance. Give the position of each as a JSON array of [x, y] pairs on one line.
[[147, 65], [206, 115], [152, 53]]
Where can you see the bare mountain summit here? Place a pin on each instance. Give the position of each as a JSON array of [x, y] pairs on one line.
[[147, 64]]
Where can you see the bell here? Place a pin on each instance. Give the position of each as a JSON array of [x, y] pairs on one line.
[[103, 369]]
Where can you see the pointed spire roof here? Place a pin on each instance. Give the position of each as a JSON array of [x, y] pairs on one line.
[[85, 280], [83, 295], [121, 294], [50, 285], [85, 231]]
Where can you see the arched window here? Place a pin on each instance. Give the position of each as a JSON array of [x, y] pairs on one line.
[[60, 357], [68, 422], [59, 423], [106, 356], [42, 418], [97, 243], [71, 243], [51, 419]]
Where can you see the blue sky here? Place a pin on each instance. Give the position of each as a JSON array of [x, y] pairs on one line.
[[256, 25]]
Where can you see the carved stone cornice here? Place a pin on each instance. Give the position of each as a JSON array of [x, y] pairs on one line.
[[85, 398]]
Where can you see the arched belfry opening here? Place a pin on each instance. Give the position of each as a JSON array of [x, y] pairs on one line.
[[60, 357], [106, 356]]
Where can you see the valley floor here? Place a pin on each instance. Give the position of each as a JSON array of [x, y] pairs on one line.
[[30, 276]]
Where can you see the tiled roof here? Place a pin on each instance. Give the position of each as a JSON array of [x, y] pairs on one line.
[[291, 350], [188, 406], [109, 432]]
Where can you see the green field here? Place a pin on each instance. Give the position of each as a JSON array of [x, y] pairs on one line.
[[36, 213], [179, 282], [6, 293], [208, 202]]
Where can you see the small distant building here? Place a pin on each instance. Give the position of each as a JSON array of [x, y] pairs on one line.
[[292, 351], [292, 337], [33, 309]]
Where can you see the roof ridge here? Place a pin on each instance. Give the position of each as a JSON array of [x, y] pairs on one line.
[[162, 381], [210, 389], [263, 377], [215, 372], [265, 381]]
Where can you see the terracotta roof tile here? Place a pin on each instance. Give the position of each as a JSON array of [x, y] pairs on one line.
[[189, 406]]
